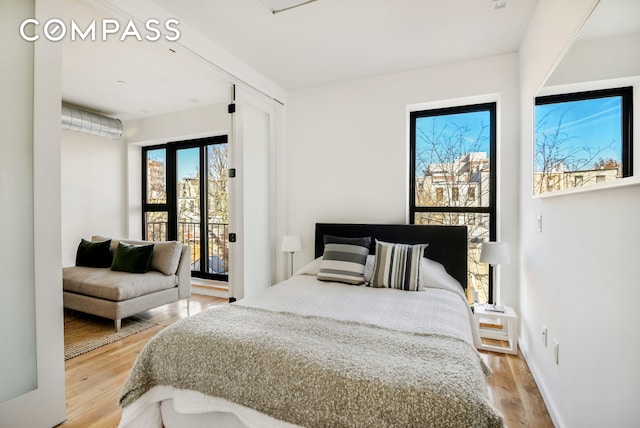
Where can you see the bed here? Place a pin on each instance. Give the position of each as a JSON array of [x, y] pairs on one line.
[[319, 351]]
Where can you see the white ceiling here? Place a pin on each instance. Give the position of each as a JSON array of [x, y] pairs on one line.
[[131, 79], [336, 40], [319, 43]]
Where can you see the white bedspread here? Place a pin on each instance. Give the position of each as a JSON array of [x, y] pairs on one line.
[[441, 309], [432, 311]]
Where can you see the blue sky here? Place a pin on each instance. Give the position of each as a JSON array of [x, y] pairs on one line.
[[593, 125], [187, 161], [447, 127], [159, 155], [589, 129]]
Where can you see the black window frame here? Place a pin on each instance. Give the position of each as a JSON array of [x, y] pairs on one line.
[[171, 204], [626, 94], [491, 208]]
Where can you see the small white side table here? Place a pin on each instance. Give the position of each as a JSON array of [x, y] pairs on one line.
[[507, 328]]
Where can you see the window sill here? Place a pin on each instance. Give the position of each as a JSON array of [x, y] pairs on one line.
[[623, 182]]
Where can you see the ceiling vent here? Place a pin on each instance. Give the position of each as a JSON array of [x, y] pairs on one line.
[[79, 120]]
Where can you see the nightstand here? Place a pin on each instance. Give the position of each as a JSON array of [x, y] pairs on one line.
[[499, 326]]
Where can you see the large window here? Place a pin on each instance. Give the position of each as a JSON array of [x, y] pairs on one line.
[[582, 139], [185, 198], [453, 180]]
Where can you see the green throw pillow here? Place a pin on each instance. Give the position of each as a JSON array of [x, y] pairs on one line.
[[132, 258], [94, 254]]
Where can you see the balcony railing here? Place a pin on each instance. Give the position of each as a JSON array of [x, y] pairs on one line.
[[217, 243]]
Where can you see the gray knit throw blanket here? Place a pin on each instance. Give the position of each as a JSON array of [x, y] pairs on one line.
[[319, 372]]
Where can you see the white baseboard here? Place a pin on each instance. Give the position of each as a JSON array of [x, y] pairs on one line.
[[544, 391], [210, 288]]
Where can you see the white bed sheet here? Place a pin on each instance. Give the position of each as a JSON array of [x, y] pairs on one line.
[[411, 311], [419, 312], [169, 407]]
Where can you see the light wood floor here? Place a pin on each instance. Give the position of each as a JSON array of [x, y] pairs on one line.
[[94, 379]]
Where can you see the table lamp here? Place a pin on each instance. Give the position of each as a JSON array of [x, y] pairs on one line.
[[291, 244], [494, 253]]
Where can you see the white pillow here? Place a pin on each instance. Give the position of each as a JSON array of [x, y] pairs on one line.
[[368, 268], [310, 269], [343, 263], [313, 267], [434, 275]]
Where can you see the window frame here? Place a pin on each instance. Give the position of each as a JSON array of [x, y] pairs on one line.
[[171, 204], [170, 188], [627, 152], [469, 212]]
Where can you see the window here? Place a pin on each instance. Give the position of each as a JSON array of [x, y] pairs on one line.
[[583, 138], [452, 178], [155, 194], [185, 198], [472, 194], [471, 219], [157, 176]]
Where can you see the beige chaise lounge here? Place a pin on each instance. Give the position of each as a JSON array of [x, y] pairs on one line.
[[115, 295]]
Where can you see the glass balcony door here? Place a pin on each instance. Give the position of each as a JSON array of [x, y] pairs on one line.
[[186, 199], [202, 214]]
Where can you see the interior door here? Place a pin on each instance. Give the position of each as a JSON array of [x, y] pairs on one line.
[[31, 318], [18, 368], [252, 263]]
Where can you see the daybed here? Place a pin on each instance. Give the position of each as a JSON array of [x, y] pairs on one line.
[[322, 349], [101, 288]]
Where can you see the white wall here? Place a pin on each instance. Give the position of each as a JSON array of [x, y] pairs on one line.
[[579, 276], [101, 182], [594, 59], [348, 152], [183, 125], [48, 407], [94, 190]]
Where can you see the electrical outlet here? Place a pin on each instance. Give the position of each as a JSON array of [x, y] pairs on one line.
[[556, 351], [544, 335]]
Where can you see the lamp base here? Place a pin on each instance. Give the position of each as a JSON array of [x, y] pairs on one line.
[[291, 264], [491, 307]]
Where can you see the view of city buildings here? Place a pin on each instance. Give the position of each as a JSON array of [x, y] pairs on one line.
[[461, 183], [559, 177], [206, 235], [580, 139]]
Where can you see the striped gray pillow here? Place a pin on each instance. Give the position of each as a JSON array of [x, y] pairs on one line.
[[397, 266], [343, 263]]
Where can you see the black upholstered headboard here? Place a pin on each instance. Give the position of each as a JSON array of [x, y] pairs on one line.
[[447, 244]]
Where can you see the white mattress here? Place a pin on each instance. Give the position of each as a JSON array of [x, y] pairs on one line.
[[440, 309], [411, 311]]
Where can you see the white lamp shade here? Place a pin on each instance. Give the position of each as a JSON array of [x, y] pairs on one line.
[[291, 244], [495, 253]]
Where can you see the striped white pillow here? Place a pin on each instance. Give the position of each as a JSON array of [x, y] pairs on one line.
[[343, 263], [397, 266]]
